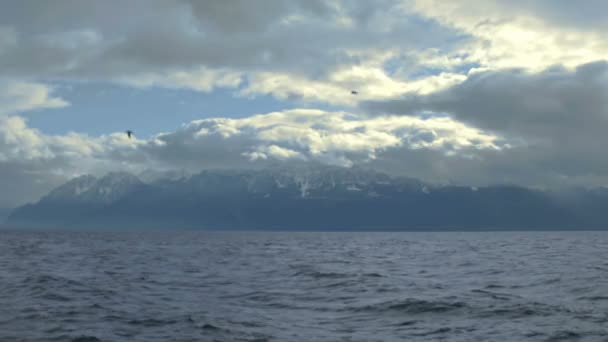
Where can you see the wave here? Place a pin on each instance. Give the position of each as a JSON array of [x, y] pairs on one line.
[[412, 306]]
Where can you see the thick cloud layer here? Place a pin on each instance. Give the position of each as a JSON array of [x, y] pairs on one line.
[[205, 44], [317, 50], [335, 138], [557, 119]]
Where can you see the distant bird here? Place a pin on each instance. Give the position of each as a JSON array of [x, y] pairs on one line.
[[129, 134], [354, 92]]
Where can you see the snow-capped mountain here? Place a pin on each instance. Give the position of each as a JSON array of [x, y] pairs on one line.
[[72, 189], [152, 176], [302, 198], [111, 187], [317, 182]]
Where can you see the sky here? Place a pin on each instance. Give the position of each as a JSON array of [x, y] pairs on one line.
[[463, 92]]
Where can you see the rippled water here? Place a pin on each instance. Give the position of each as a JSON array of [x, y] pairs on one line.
[[189, 286]]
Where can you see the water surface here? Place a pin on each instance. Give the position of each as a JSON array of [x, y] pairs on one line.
[[199, 286]]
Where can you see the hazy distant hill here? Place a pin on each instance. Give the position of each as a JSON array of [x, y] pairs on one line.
[[4, 212], [314, 198]]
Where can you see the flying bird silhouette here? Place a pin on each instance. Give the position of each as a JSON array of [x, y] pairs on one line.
[[354, 92], [129, 134]]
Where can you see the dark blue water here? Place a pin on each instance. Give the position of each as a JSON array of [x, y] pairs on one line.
[[188, 286]]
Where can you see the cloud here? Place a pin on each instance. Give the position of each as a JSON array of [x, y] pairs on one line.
[[557, 119], [203, 80], [323, 47], [522, 34], [8, 38], [273, 151], [336, 138], [317, 135], [371, 82], [32, 163], [516, 101], [18, 97], [587, 14], [311, 50], [242, 16]]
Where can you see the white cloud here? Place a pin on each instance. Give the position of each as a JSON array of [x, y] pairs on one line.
[[293, 134], [513, 34], [336, 138], [273, 151], [18, 141], [203, 80], [369, 82], [18, 97], [316, 134]]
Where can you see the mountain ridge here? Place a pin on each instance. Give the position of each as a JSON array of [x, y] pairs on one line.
[[329, 198]]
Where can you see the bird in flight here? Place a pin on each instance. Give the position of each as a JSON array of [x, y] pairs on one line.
[[354, 92], [129, 134]]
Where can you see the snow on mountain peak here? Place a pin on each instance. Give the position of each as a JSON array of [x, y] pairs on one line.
[[91, 189]]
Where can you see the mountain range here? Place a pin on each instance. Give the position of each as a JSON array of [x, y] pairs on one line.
[[304, 198]]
